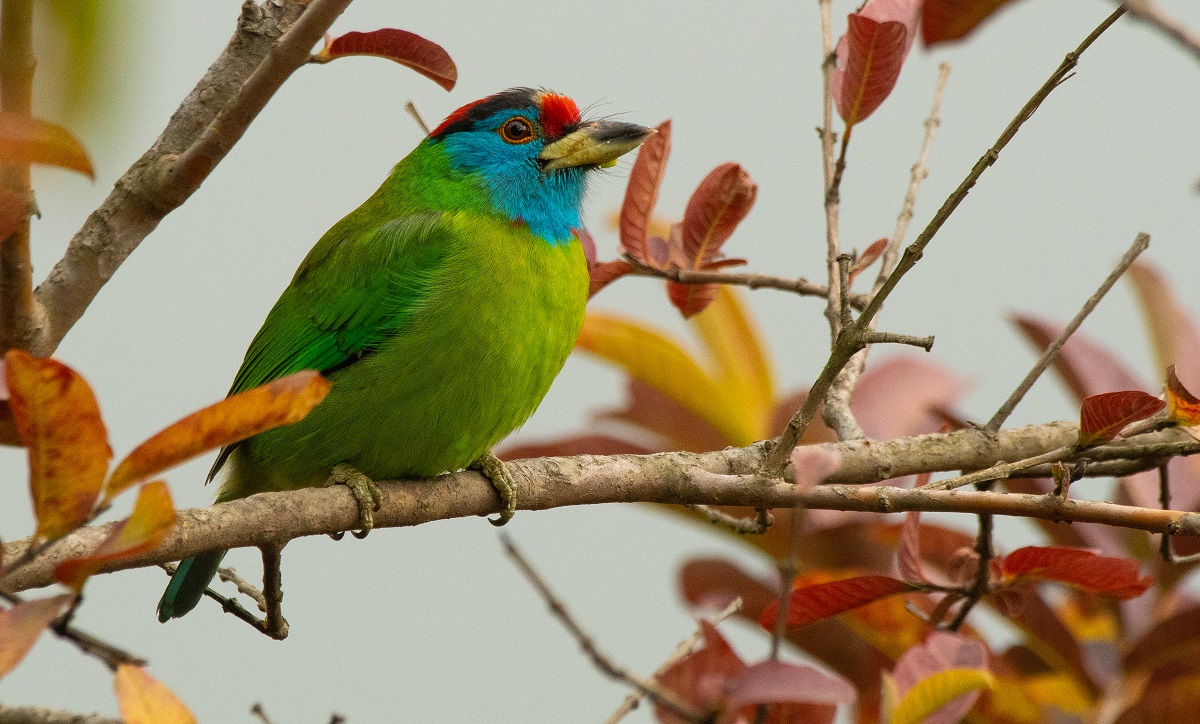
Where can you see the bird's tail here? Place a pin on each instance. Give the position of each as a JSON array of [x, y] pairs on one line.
[[187, 585]]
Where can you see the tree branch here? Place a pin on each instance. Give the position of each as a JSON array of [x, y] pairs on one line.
[[1149, 12], [16, 96], [42, 715], [726, 477], [272, 40]]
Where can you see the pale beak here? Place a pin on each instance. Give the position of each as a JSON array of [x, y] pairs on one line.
[[595, 143]]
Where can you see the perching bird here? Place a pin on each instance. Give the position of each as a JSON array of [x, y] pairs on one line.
[[441, 310]]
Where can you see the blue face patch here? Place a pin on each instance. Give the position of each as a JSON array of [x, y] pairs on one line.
[[547, 203]]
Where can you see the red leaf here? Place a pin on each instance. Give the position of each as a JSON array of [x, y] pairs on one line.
[[408, 49], [868, 257], [944, 20], [21, 625], [717, 206], [1101, 417], [12, 212], [605, 273], [809, 604], [1185, 408], [870, 56], [781, 683], [701, 677], [1079, 568], [29, 140], [691, 299], [642, 192], [908, 556]]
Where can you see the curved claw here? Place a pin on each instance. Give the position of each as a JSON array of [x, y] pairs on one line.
[[496, 472], [365, 492]]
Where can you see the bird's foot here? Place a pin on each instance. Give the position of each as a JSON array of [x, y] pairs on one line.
[[494, 470], [365, 491]]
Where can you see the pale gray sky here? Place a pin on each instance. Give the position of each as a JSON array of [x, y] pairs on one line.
[[433, 623]]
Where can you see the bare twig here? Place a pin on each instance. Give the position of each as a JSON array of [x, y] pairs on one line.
[[243, 586], [416, 114], [1140, 243], [685, 647], [830, 174], [108, 654], [836, 412], [275, 625], [16, 96], [647, 687], [981, 584], [269, 44], [1001, 471], [260, 713], [752, 280], [844, 350], [752, 526], [1148, 12]]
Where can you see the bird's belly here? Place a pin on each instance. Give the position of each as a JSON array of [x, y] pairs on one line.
[[469, 370]]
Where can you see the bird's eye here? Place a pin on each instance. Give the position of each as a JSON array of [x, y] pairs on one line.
[[517, 130]]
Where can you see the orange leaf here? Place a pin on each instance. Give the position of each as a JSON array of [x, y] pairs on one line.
[[280, 402], [29, 140], [143, 700], [1101, 417], [812, 603], [1185, 408], [944, 20], [408, 49], [641, 193], [59, 421], [21, 625], [151, 520], [12, 213], [868, 257], [1080, 568], [701, 678], [715, 209]]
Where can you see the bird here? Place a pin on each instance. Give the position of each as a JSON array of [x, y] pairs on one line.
[[441, 309]]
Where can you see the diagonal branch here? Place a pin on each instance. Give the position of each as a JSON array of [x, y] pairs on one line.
[[272, 40], [1150, 13]]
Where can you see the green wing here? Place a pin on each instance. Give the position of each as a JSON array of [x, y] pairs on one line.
[[358, 286]]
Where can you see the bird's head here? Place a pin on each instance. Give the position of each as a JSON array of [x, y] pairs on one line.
[[531, 152]]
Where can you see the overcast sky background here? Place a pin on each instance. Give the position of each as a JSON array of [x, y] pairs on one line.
[[433, 623]]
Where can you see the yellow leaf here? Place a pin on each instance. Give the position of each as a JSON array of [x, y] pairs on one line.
[[935, 691], [235, 418], [652, 357], [59, 421], [29, 140], [1061, 691], [21, 625], [143, 700], [732, 338], [151, 520]]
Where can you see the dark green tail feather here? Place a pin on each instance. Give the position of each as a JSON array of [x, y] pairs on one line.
[[187, 585]]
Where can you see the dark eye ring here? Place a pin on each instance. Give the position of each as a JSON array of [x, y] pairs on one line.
[[517, 130]]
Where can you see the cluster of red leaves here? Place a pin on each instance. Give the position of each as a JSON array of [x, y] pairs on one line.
[[715, 209], [58, 420]]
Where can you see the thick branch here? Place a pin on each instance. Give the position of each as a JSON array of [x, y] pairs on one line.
[[269, 44], [726, 477]]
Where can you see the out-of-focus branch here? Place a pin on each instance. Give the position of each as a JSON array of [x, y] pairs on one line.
[[1149, 12], [42, 715], [271, 41]]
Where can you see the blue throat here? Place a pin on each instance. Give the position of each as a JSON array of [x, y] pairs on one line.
[[547, 203]]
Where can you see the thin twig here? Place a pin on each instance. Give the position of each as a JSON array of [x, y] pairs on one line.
[[757, 525], [412, 111], [42, 715], [275, 625], [751, 280], [836, 412], [981, 583], [648, 687], [1148, 12], [16, 96], [778, 457], [243, 586], [1001, 471], [1140, 243], [108, 654], [258, 711], [830, 173], [685, 647]]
